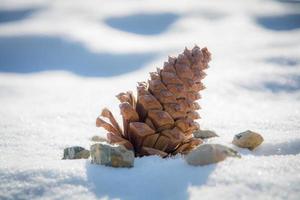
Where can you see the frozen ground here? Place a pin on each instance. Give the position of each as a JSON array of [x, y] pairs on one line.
[[62, 61]]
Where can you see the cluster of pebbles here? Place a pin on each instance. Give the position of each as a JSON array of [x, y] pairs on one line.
[[116, 155]]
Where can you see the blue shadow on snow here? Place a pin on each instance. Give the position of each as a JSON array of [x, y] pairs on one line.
[[27, 54], [284, 148], [144, 24], [14, 15], [289, 1], [283, 61], [150, 178], [284, 22], [292, 84]]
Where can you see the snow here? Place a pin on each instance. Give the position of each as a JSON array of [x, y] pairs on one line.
[[62, 61]]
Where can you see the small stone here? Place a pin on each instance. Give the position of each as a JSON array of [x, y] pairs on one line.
[[83, 154], [76, 152], [97, 138], [112, 155], [209, 153], [204, 134], [248, 139]]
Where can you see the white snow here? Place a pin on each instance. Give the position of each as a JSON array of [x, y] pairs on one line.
[[253, 83]]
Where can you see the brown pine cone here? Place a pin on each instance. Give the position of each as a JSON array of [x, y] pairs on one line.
[[162, 118]]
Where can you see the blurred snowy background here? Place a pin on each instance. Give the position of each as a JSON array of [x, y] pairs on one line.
[[62, 61]]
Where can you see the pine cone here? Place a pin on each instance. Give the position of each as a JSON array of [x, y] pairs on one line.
[[162, 119]]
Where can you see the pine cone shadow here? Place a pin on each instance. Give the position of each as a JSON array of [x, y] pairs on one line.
[[150, 178]]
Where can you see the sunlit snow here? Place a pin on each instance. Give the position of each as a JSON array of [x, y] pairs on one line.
[[62, 61]]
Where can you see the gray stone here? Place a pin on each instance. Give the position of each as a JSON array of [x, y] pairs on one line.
[[248, 139], [97, 138], [204, 134], [111, 155], [76, 152], [209, 153]]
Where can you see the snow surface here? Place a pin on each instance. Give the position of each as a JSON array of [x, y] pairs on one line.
[[62, 61]]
